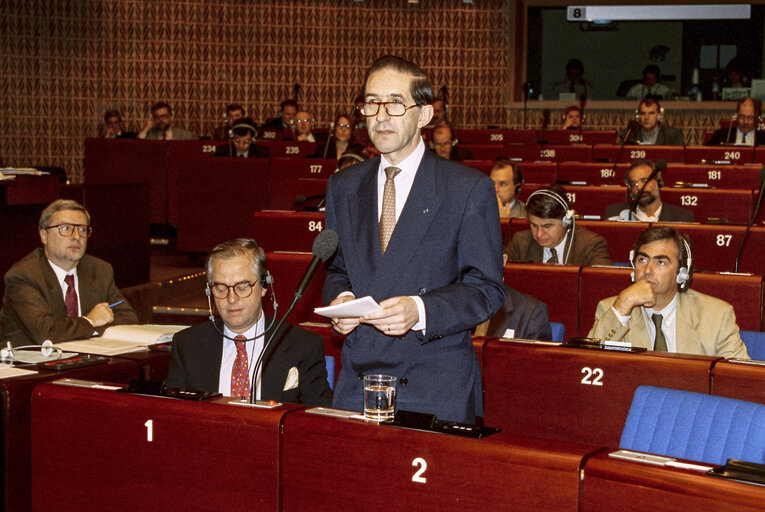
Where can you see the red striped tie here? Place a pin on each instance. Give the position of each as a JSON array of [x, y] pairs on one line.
[[70, 299], [240, 375]]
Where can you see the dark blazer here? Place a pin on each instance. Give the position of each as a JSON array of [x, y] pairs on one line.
[[446, 248], [524, 314], [667, 136], [33, 305], [589, 248], [197, 352], [255, 151], [724, 136], [669, 212]]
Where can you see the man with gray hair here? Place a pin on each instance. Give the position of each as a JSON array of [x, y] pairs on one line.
[[222, 355], [57, 292]]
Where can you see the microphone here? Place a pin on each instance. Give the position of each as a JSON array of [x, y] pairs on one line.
[[660, 166], [324, 246], [754, 216], [730, 126], [329, 138], [582, 103], [632, 125], [303, 199], [545, 124]]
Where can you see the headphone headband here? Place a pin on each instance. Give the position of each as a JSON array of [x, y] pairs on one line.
[[568, 217]]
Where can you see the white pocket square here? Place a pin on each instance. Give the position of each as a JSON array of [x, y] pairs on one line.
[[292, 379]]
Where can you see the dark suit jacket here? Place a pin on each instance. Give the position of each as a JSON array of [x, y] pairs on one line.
[[524, 314], [669, 212], [197, 352], [33, 305], [255, 151], [724, 136], [667, 136], [446, 248], [589, 248]]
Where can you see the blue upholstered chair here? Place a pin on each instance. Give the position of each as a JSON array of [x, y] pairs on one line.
[[558, 331], [694, 426], [330, 363], [755, 344]]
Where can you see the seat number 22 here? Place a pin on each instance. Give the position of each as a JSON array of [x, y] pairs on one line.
[[592, 376]]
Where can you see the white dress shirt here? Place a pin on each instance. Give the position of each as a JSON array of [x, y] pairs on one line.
[[254, 348], [560, 249]]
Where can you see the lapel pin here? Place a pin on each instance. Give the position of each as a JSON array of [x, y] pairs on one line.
[[426, 210]]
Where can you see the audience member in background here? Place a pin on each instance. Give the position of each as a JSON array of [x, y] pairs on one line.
[[220, 355], [233, 114], [58, 292], [350, 158], [241, 144], [303, 123], [439, 113], [659, 311], [521, 316], [284, 125], [745, 132], [650, 85], [445, 145], [736, 74], [508, 179], [572, 118], [340, 140], [113, 123], [649, 206], [159, 125], [574, 82], [651, 129], [554, 236]]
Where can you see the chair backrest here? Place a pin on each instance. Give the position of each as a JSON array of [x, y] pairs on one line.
[[330, 363], [558, 331], [755, 344], [694, 426]]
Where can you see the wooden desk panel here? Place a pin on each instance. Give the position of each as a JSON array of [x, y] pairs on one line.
[[92, 450], [217, 197], [578, 136], [609, 152], [734, 205], [287, 230], [340, 464], [16, 395], [611, 484], [576, 394], [711, 154], [743, 381]]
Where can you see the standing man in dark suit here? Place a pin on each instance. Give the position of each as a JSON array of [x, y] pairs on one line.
[[420, 235], [221, 355], [48, 292], [745, 132], [649, 207]]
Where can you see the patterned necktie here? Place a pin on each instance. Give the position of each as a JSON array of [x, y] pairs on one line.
[[240, 375], [660, 344], [70, 299], [553, 256], [388, 217]]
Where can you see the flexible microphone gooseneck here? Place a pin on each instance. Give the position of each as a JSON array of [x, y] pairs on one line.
[[660, 166], [324, 246], [545, 124], [631, 127], [730, 126], [754, 215], [329, 138]]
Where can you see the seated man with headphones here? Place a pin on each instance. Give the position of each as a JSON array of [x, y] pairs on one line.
[[160, 125], [659, 311], [241, 142], [746, 133], [222, 355], [650, 129], [445, 145], [644, 183], [554, 236], [508, 179]]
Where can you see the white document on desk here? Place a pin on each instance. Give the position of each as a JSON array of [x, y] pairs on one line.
[[7, 371], [351, 309], [121, 339]]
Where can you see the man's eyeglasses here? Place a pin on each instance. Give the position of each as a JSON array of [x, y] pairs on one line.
[[242, 290], [637, 183], [68, 229], [393, 108]]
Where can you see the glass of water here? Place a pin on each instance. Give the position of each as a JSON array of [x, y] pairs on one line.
[[379, 397]]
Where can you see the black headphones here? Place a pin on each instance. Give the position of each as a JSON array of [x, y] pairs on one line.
[[246, 126], [518, 182]]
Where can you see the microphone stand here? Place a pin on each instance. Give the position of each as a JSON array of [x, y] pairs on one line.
[[621, 149], [754, 216], [329, 138]]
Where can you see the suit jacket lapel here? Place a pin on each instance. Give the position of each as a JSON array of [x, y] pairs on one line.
[[86, 288], [420, 210], [364, 223], [50, 281], [639, 334]]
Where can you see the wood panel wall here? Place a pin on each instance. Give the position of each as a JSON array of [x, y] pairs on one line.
[[63, 63]]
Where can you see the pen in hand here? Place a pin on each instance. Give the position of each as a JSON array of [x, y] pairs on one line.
[[116, 303]]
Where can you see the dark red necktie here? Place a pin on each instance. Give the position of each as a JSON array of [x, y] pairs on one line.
[[240, 375], [70, 299]]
